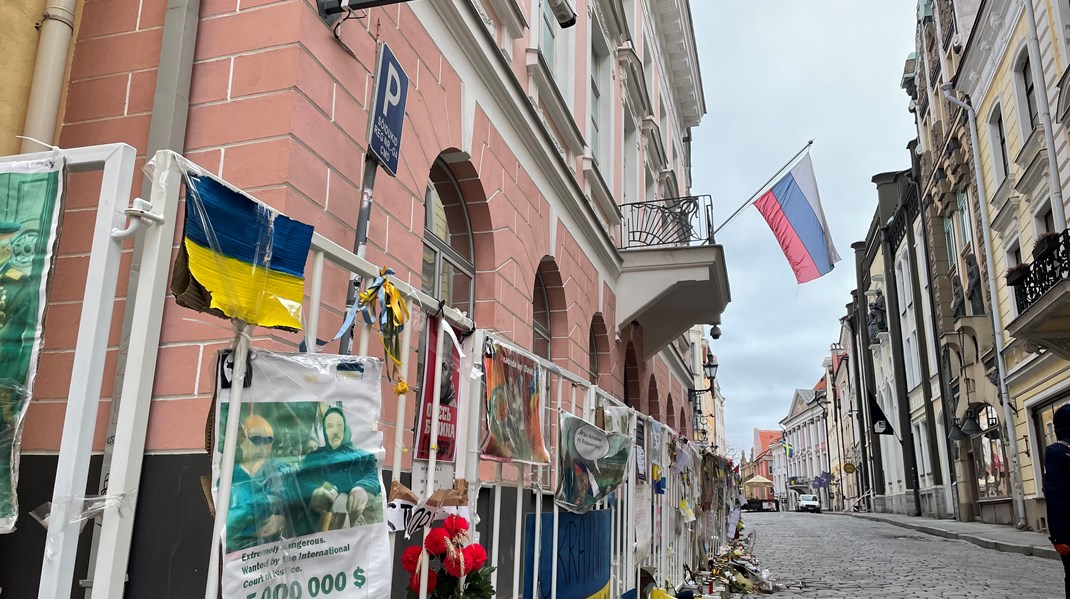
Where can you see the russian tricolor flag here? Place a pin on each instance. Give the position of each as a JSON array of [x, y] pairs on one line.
[[792, 207]]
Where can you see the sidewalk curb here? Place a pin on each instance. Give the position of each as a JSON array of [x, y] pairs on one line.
[[1030, 550]]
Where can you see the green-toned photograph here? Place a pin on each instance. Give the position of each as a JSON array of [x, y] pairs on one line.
[[297, 472], [30, 202]]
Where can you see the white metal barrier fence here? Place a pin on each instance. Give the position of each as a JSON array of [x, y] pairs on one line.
[[673, 544]]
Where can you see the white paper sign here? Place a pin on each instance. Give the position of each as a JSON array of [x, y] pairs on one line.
[[306, 514]]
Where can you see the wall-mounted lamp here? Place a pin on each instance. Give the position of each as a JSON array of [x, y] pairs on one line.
[[709, 371]]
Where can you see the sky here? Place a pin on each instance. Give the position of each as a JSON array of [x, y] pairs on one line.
[[777, 73]]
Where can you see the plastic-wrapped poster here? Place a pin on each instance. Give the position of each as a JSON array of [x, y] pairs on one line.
[[592, 463], [515, 386], [30, 201], [450, 364], [307, 504]]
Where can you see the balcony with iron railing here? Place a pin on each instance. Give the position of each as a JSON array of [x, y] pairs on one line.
[[1042, 296], [672, 222], [673, 273]]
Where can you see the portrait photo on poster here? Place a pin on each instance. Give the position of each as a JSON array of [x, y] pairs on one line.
[[307, 498], [515, 390]]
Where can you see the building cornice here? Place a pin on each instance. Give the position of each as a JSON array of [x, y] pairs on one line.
[[676, 33], [988, 44]]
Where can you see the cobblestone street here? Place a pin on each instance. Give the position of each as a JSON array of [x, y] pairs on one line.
[[829, 556]]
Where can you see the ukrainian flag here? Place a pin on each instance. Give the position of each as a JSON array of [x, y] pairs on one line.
[[247, 256]]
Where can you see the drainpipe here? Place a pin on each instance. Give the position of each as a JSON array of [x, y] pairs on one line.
[[50, 68], [1058, 210], [167, 131], [993, 306]]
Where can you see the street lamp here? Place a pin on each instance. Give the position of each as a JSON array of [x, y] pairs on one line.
[[709, 371]]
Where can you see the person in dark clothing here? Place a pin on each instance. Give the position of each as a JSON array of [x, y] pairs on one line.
[[339, 468], [1057, 488], [261, 491]]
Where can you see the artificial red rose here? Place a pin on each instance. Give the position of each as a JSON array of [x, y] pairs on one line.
[[432, 581], [457, 564], [437, 541], [455, 525], [410, 559], [475, 557]]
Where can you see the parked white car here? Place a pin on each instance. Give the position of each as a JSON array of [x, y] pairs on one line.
[[808, 503]]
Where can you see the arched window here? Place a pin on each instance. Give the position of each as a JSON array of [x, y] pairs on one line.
[[540, 320], [592, 357], [598, 348], [448, 260]]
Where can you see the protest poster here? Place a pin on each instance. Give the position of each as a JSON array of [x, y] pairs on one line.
[[450, 366], [617, 419], [307, 505], [592, 463], [584, 555], [640, 449], [515, 387], [644, 499], [30, 202], [239, 258]]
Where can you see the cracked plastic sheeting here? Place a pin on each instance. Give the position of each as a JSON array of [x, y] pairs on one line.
[[307, 503], [31, 198], [239, 258], [78, 510]]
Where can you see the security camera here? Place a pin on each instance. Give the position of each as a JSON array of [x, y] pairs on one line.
[[563, 12], [715, 332]]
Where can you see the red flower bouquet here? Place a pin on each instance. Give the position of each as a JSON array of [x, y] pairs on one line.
[[456, 567]]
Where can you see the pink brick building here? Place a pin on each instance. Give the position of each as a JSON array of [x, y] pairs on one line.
[[536, 191]]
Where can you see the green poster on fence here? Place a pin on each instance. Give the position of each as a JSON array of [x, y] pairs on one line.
[[592, 463], [30, 203]]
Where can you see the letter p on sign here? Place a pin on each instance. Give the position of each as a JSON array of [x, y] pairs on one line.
[[388, 113]]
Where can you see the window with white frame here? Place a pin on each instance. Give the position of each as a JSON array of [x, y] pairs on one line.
[[910, 349], [1044, 222], [998, 137], [949, 239], [648, 66], [629, 159], [1030, 113], [600, 93], [963, 218], [540, 321], [550, 31], [448, 258], [1014, 257], [556, 47], [926, 308], [921, 446]]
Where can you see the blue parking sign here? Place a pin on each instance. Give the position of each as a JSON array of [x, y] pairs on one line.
[[388, 112]]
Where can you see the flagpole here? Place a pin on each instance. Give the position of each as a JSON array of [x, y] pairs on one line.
[[764, 185]]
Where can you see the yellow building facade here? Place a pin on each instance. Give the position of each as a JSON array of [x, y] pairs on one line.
[[998, 76], [18, 46]]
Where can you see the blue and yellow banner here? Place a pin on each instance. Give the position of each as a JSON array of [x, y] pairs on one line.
[[584, 555], [240, 259]]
